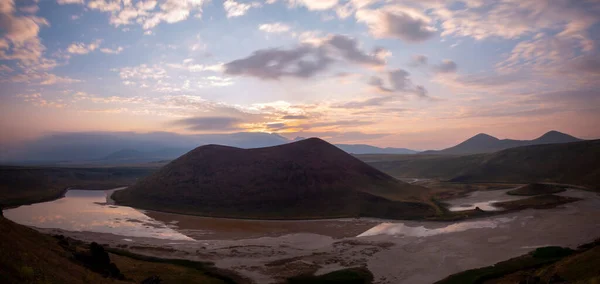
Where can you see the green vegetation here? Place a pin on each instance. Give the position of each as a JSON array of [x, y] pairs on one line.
[[345, 276], [543, 265], [536, 189], [26, 185]]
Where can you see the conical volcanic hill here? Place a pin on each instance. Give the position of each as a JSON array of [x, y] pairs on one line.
[[306, 179]]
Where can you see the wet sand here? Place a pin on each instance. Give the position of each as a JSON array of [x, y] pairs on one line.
[[393, 257]]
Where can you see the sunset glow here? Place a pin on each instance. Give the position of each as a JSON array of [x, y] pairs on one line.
[[416, 74]]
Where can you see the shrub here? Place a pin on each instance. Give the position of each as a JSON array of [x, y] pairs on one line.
[[551, 252]]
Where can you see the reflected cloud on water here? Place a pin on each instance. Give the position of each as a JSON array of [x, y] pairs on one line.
[[86, 210]]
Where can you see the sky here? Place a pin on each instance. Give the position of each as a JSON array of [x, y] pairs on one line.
[[421, 74]]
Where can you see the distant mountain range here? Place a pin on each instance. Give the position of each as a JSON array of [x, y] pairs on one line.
[[368, 149], [99, 148], [571, 163], [484, 143], [117, 148], [306, 179]]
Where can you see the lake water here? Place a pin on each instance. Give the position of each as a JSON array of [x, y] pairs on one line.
[[87, 210], [401, 229], [483, 199]]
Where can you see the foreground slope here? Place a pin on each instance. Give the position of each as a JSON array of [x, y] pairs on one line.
[[570, 163], [484, 143], [30, 257], [306, 179]]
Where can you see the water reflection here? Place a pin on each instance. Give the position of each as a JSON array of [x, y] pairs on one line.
[[86, 210], [401, 229], [483, 199]]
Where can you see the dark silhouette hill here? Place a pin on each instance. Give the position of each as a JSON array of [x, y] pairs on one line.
[[484, 143], [306, 179], [571, 163]]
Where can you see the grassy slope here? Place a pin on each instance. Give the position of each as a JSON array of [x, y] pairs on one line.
[[570, 163], [545, 263], [302, 180], [26, 185]]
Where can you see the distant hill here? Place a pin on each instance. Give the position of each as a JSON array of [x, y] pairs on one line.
[[306, 179], [134, 156], [484, 143], [89, 147], [368, 149], [572, 163], [359, 149]]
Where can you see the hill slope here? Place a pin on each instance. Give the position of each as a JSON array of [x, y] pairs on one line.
[[306, 179], [25, 185], [571, 163], [483, 143]]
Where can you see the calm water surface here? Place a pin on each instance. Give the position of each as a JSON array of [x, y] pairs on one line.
[[87, 210]]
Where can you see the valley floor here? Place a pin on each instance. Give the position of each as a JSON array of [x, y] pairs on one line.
[[394, 251]]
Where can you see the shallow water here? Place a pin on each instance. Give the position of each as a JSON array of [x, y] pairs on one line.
[[87, 210], [483, 199], [401, 229]]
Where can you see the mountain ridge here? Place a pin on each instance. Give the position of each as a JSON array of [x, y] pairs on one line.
[[485, 143]]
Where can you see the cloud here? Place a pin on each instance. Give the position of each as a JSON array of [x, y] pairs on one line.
[[274, 28], [400, 83], [31, 9], [19, 40], [37, 100], [295, 117], [514, 19], [212, 123], [82, 48], [143, 72], [112, 51], [447, 66], [588, 64], [359, 104], [192, 67], [236, 9], [315, 5], [51, 79], [63, 2], [395, 21], [5, 69], [147, 13], [418, 60], [348, 47], [304, 61]]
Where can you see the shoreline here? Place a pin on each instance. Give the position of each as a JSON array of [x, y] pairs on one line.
[[270, 259], [456, 217]]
